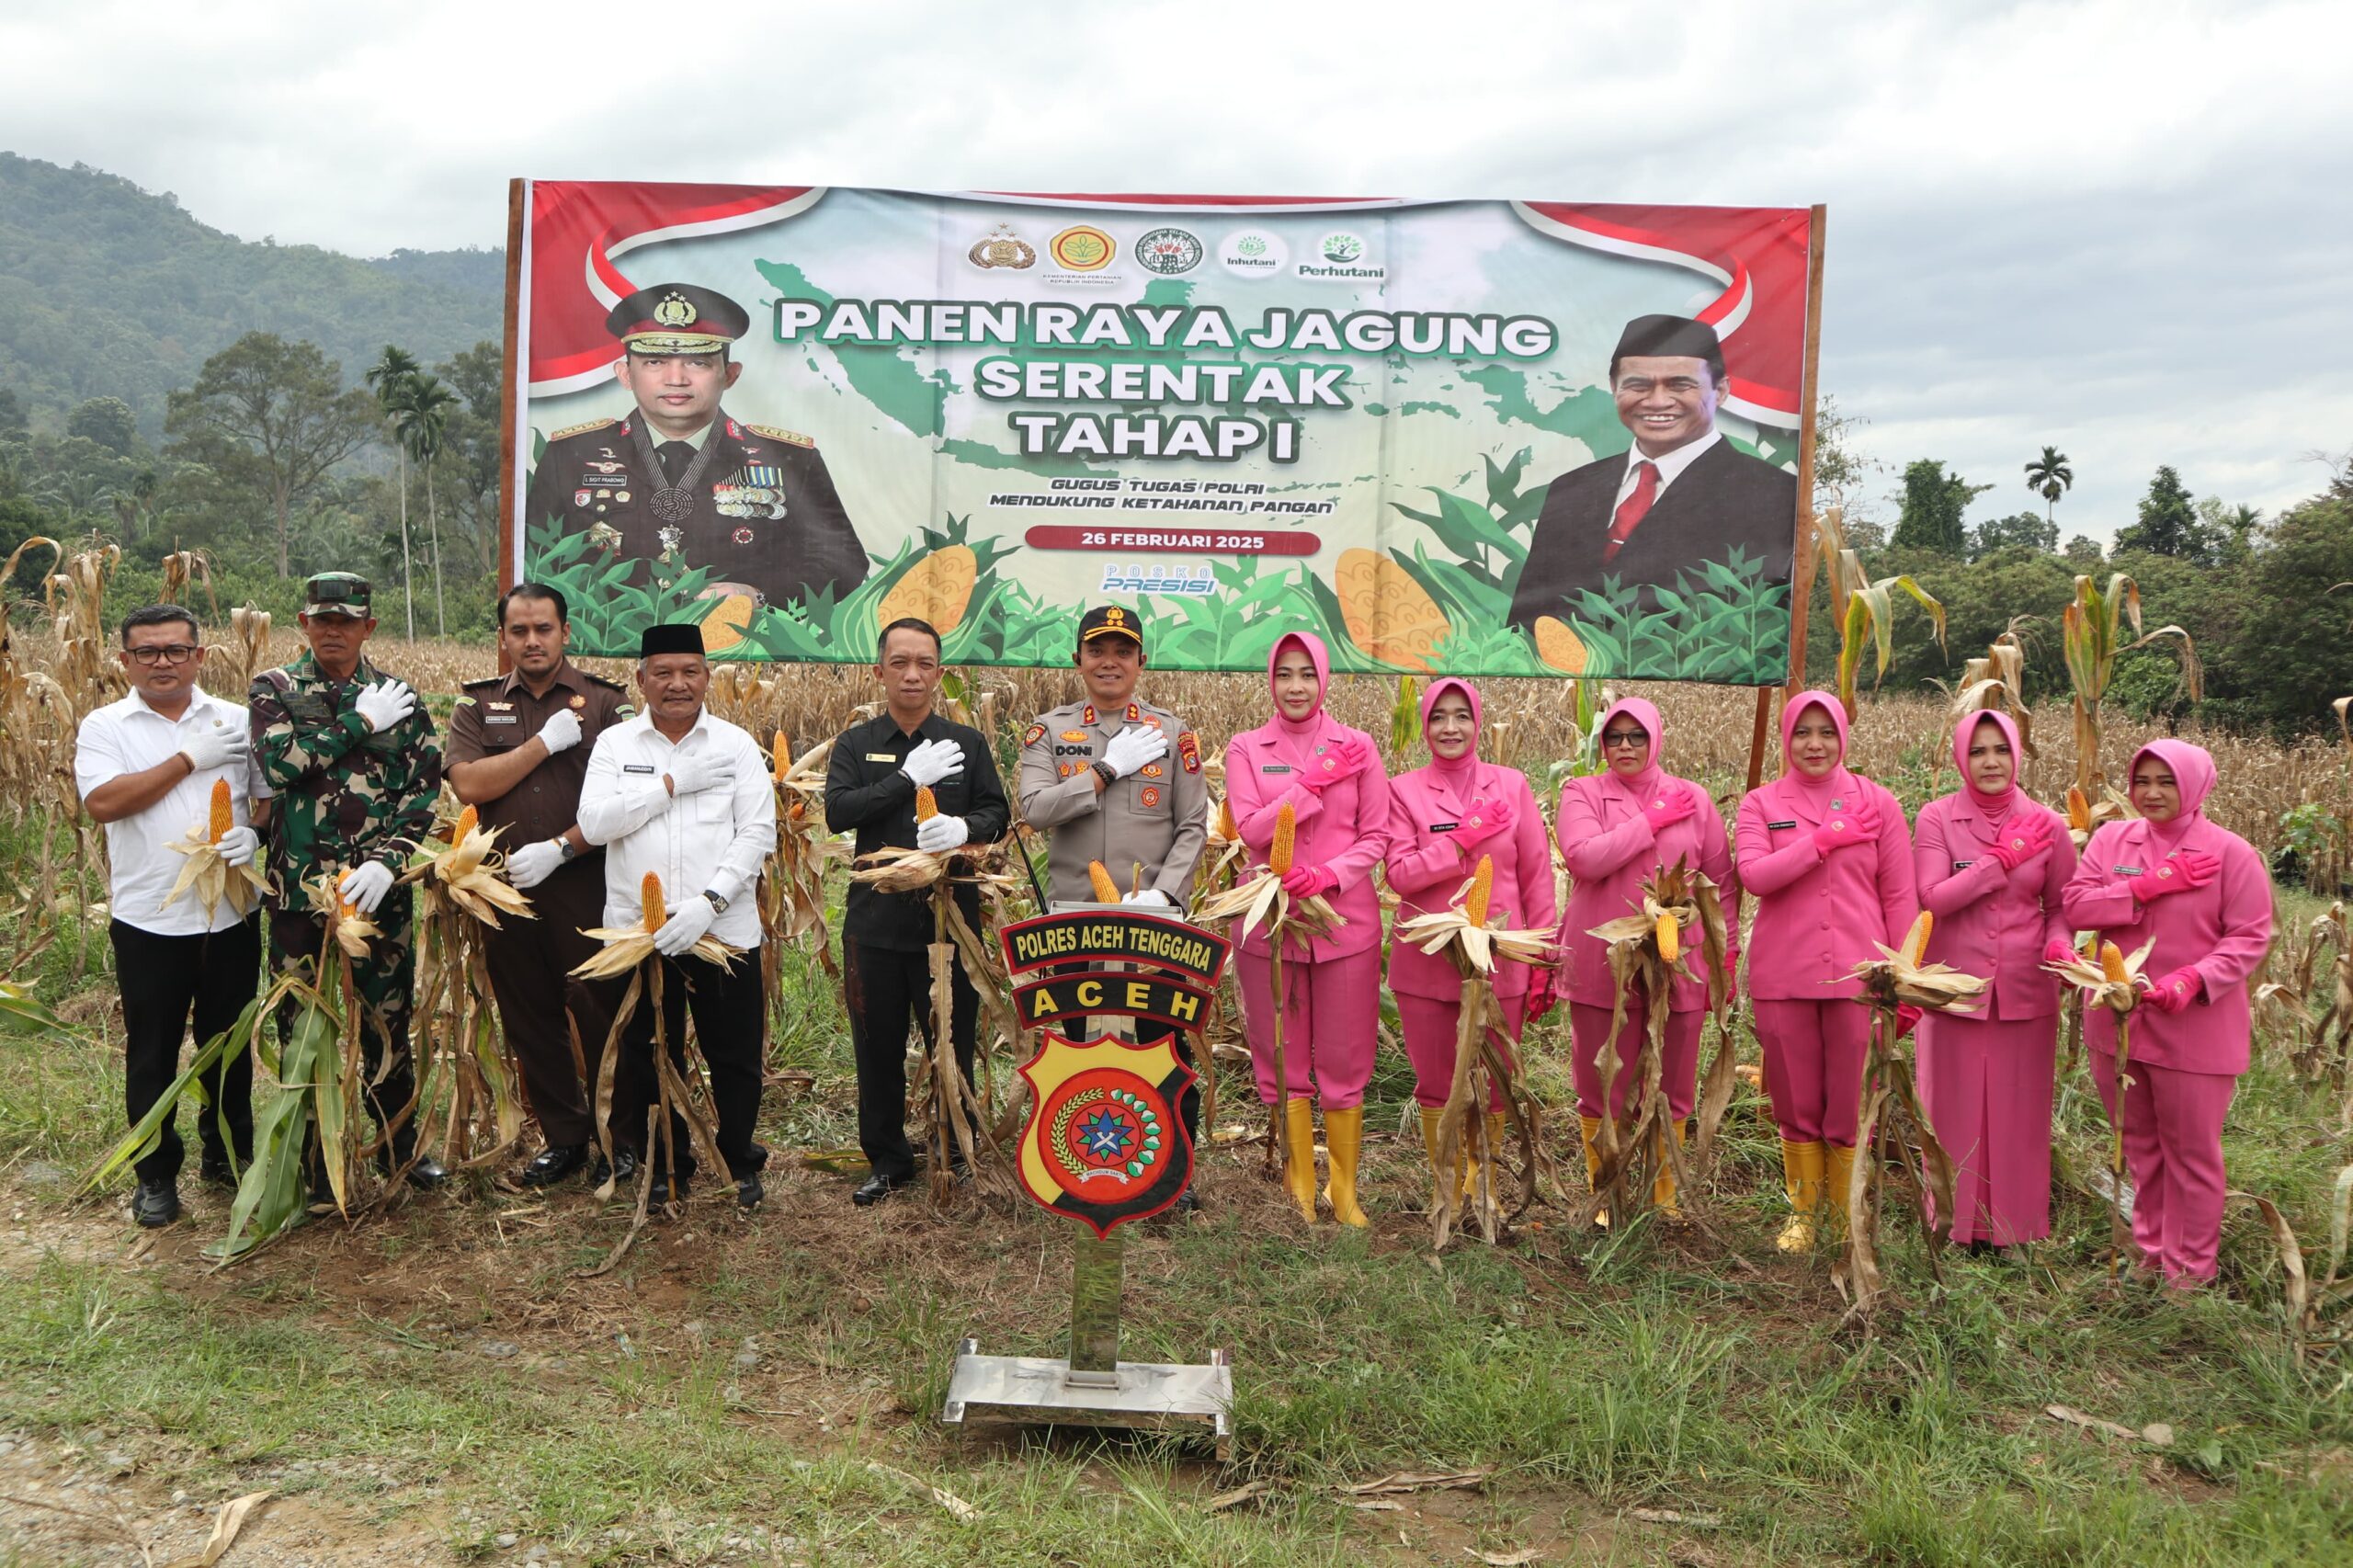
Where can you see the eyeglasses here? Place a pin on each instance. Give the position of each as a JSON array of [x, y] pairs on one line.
[[171, 654], [1626, 739]]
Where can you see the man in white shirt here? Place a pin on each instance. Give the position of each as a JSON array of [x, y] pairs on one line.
[[687, 796], [145, 768]]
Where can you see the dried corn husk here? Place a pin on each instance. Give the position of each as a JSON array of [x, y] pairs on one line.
[[626, 947], [458, 868]]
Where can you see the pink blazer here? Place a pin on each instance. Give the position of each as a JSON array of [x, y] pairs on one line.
[[1817, 916], [1610, 850], [2221, 930], [1345, 827], [1425, 868], [1992, 922]]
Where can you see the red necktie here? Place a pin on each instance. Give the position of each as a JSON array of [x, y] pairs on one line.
[[1632, 509]]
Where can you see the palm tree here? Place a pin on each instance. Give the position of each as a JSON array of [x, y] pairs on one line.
[[423, 426], [2050, 477], [392, 376]]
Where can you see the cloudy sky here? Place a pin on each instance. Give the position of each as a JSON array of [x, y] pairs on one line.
[[2117, 227]]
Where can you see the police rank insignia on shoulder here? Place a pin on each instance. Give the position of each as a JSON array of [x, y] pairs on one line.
[[792, 437], [1189, 750], [582, 429], [1037, 732]]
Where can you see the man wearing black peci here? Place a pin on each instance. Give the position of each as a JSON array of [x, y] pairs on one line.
[[680, 480], [1682, 497], [886, 981]]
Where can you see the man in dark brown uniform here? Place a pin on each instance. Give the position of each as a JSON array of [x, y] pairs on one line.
[[518, 748], [680, 482]]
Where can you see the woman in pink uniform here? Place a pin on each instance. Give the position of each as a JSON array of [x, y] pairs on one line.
[[1617, 828], [1827, 857], [1442, 819], [1339, 795], [1993, 867], [2203, 893]]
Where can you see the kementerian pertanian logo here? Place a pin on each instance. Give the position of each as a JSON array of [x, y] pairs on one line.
[[1168, 251], [1082, 248]]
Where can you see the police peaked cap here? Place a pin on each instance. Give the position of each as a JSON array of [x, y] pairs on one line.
[[1110, 620], [678, 318], [671, 637]]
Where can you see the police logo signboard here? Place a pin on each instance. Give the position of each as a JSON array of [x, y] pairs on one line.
[[1105, 1144]]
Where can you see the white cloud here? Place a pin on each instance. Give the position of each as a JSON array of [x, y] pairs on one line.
[[2117, 227]]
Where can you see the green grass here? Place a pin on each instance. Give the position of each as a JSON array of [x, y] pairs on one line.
[[1657, 1369]]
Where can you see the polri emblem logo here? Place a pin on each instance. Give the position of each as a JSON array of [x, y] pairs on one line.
[[1003, 249]]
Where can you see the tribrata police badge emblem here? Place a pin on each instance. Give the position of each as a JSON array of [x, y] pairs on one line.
[[1104, 1144]]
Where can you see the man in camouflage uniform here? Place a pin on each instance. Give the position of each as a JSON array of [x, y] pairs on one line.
[[351, 756]]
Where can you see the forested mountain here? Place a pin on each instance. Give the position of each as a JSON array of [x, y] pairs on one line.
[[108, 290]]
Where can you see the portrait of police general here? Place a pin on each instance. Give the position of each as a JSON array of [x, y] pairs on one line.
[[1682, 495], [679, 480]]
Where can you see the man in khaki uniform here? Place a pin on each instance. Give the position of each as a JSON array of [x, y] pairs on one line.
[[1119, 782]]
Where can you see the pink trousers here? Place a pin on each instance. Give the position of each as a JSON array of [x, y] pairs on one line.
[[1986, 1086], [1330, 1028], [1678, 1065], [1432, 1025], [2173, 1146], [1814, 1067]]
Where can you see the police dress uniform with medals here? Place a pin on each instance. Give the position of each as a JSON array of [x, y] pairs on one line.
[[752, 503], [530, 962], [1157, 816]]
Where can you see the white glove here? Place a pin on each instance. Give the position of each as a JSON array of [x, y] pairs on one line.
[[218, 747], [692, 775], [561, 732], [384, 704], [237, 847], [1149, 897], [689, 923], [932, 761], [364, 887], [534, 863], [941, 834], [1134, 746]]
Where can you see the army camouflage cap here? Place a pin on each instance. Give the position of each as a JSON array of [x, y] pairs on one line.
[[338, 593]]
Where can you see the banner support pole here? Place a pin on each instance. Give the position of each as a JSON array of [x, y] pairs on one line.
[[509, 398], [1809, 394], [1098, 1273]]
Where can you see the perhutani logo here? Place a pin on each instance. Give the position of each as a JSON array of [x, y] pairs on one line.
[[1252, 253], [1342, 255], [1168, 251]]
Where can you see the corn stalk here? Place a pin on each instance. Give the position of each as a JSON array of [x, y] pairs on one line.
[[2092, 633], [1864, 608]]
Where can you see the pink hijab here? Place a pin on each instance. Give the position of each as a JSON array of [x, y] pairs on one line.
[[1455, 770], [1838, 779], [1303, 733], [1993, 808], [1643, 784], [2193, 770]]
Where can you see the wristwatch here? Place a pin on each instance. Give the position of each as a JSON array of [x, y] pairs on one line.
[[718, 904], [564, 848]]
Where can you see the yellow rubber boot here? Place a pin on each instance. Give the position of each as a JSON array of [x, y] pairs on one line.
[[1344, 1136], [1495, 1142], [1801, 1169], [1430, 1118], [1299, 1151], [1663, 1184], [1837, 1168], [1591, 1127]]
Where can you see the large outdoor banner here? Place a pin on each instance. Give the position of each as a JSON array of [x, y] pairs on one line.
[[1486, 437]]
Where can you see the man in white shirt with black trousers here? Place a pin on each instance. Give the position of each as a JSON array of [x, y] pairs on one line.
[[687, 796], [145, 768]]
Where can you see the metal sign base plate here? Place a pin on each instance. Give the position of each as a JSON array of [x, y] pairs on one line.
[[1040, 1391]]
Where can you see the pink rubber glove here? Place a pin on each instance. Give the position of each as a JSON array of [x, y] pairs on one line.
[[1732, 965], [2057, 951], [1907, 1018], [1543, 992], [2177, 991], [2186, 871], [1857, 826], [1306, 881], [1484, 821], [1672, 804], [1350, 756], [2020, 846]]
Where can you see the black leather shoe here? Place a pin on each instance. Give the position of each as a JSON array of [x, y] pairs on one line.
[[427, 1174], [552, 1164], [661, 1194], [214, 1170], [155, 1204], [749, 1192], [1186, 1204], [623, 1167], [875, 1188]]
